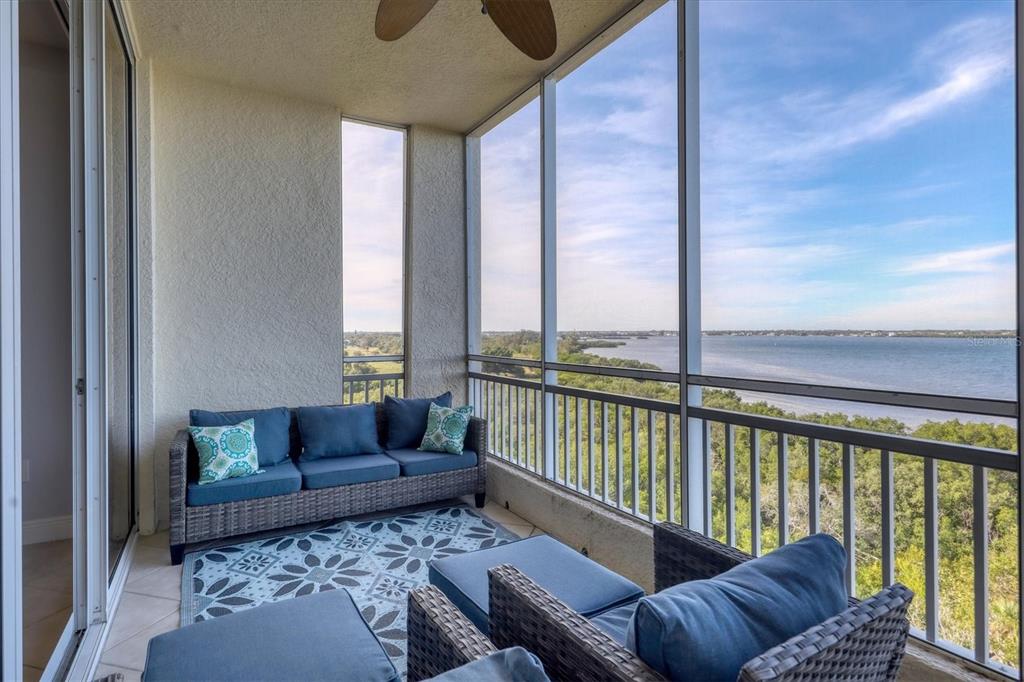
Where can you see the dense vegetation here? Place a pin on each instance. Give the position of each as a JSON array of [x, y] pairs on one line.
[[955, 517]]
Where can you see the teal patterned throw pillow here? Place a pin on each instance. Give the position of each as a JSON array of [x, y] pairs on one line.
[[226, 451], [446, 429]]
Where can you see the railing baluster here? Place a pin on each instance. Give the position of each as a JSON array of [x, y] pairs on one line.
[[849, 523], [888, 511], [527, 451], [508, 421], [366, 391], [670, 472], [706, 470], [813, 486], [518, 430], [980, 504], [351, 399], [604, 451], [618, 456], [565, 439], [579, 447], [634, 458], [590, 447], [652, 468], [783, 447], [755, 492], [538, 437], [730, 487], [931, 549]]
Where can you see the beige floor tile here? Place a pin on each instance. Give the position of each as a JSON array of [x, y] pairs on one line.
[[159, 540], [503, 516], [135, 613], [41, 637], [37, 604], [102, 670], [162, 582], [131, 653], [148, 559], [522, 530], [30, 674]]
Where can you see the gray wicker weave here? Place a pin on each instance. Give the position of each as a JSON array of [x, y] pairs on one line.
[[191, 525], [440, 637], [865, 642]]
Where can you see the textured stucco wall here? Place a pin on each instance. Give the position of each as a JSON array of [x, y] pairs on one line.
[[436, 306], [246, 269]]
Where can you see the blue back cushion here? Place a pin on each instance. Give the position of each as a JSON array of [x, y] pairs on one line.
[[708, 629], [338, 431], [272, 440], [407, 419]]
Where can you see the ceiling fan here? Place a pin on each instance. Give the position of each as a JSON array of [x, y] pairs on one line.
[[528, 24]]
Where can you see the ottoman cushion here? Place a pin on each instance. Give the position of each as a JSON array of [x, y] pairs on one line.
[[508, 665], [586, 586], [317, 637]]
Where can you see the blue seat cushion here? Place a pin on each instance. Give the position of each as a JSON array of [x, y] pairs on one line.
[[415, 462], [515, 664], [586, 586], [708, 629], [615, 622], [280, 479], [335, 471], [317, 637], [407, 419], [338, 431], [273, 441]]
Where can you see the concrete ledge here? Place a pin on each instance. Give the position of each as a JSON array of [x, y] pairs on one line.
[[623, 544], [626, 546]]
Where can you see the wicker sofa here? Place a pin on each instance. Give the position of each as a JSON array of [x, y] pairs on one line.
[[191, 525], [865, 642]]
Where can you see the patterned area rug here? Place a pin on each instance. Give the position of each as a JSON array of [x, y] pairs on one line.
[[378, 561]]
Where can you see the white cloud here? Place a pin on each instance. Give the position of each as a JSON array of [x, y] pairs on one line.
[[978, 259]]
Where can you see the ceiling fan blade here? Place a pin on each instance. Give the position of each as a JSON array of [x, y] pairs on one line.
[[395, 18], [528, 24]]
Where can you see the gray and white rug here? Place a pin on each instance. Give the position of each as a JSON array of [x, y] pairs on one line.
[[377, 560]]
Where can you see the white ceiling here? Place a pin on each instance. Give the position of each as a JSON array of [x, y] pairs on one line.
[[450, 71]]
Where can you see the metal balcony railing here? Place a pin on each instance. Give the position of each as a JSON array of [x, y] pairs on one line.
[[626, 452], [364, 386]]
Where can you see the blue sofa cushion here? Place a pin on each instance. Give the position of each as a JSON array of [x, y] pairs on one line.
[[272, 439], [615, 622], [508, 665], [417, 462], [274, 642], [334, 471], [338, 431], [708, 629], [280, 479], [586, 586], [407, 419]]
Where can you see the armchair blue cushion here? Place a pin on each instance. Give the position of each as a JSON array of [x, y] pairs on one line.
[[338, 431], [272, 438], [407, 419], [708, 629], [515, 664]]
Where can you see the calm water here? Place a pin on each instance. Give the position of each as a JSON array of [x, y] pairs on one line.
[[966, 367]]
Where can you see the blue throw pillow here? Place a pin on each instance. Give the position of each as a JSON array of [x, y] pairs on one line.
[[272, 440], [708, 629], [407, 419], [338, 431]]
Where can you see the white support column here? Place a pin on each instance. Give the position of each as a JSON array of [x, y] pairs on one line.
[[1019, 30], [549, 273], [692, 434], [10, 348], [473, 281]]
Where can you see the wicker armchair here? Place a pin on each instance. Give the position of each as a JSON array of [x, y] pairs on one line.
[[440, 637], [865, 642]]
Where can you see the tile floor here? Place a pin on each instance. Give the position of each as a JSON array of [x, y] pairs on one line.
[[46, 601], [150, 604]]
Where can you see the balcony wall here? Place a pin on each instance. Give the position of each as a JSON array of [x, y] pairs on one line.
[[240, 276]]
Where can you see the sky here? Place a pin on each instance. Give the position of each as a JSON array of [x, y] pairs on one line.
[[856, 171]]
